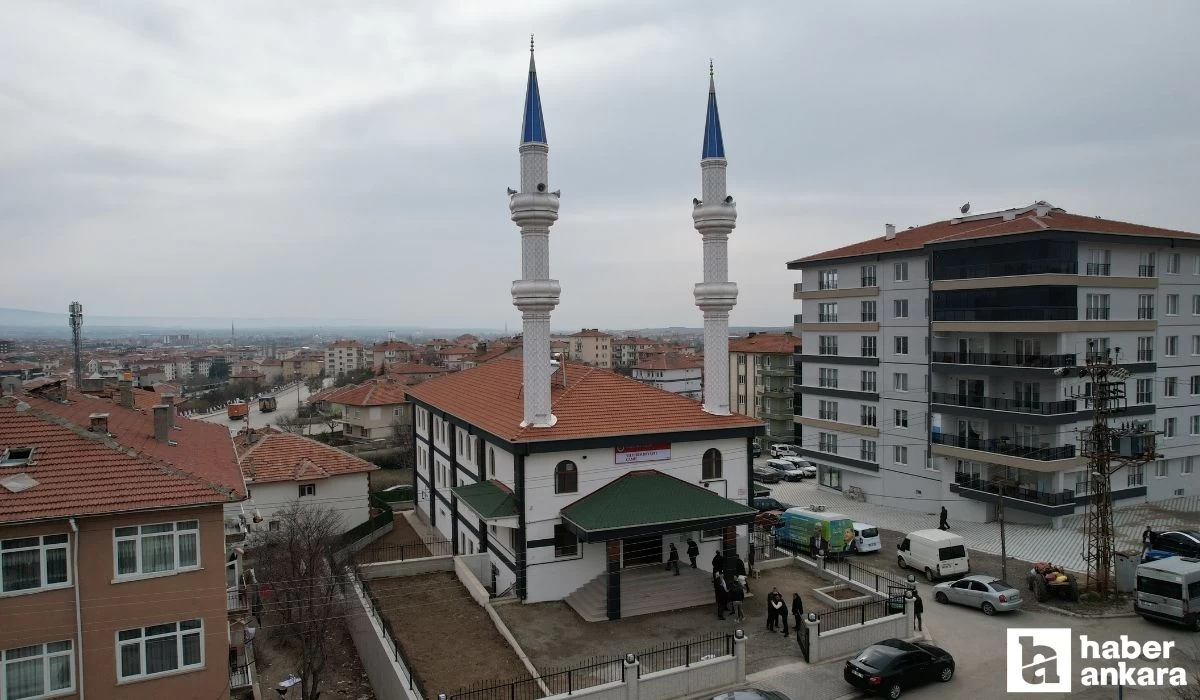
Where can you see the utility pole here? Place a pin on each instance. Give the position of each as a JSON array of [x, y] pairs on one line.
[[1003, 484]]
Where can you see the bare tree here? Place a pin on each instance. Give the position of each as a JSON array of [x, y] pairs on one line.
[[290, 422], [297, 564]]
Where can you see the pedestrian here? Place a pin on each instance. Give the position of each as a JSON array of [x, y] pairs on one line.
[[718, 564], [772, 613], [673, 559], [819, 546], [693, 550], [1147, 541], [797, 609], [918, 607], [736, 596], [739, 568], [781, 612], [722, 595], [751, 557], [942, 524]]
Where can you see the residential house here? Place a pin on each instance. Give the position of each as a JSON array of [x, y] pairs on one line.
[[761, 375], [592, 347], [452, 358], [673, 372], [373, 410], [627, 352], [412, 373], [20, 370], [390, 353]]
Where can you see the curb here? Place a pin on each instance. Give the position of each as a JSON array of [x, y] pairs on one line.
[[1068, 613]]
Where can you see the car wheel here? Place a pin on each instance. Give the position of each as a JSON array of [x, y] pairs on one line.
[[893, 691], [941, 597], [929, 575], [900, 563], [946, 674], [988, 609], [1195, 623]]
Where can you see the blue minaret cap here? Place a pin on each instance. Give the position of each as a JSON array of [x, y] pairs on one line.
[[714, 146], [533, 129]]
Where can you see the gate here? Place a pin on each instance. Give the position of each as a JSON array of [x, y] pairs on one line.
[[896, 598], [802, 637]]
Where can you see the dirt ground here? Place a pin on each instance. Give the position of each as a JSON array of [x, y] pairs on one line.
[[402, 533], [344, 677], [552, 635], [435, 620]]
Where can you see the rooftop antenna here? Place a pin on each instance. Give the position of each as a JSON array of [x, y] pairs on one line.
[[76, 311], [965, 208]]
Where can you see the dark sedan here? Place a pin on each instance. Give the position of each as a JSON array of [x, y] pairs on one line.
[[763, 504], [766, 475], [1180, 543], [752, 694], [893, 665]]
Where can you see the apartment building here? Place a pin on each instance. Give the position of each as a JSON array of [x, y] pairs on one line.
[[592, 346], [627, 352], [928, 371], [389, 352], [112, 551], [343, 356], [674, 372], [762, 377]]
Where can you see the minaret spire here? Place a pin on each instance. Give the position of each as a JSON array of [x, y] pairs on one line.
[[715, 217], [535, 209]]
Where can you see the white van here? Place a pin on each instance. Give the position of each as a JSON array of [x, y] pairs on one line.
[[1169, 589], [936, 552], [781, 450], [866, 538]]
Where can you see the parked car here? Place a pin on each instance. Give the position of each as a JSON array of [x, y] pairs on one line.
[[1176, 543], [893, 665], [1169, 589], [766, 475], [987, 593], [797, 526], [808, 468], [866, 538], [752, 694], [780, 450], [786, 469], [765, 503], [756, 450], [938, 553], [768, 519]]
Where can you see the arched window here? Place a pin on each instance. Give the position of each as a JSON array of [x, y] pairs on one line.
[[491, 461], [566, 477], [712, 464]]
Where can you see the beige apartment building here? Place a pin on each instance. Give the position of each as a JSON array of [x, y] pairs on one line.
[[343, 356], [761, 371], [591, 346], [114, 575]]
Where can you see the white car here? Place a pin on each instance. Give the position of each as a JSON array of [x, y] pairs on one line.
[[866, 538], [806, 467], [779, 450]]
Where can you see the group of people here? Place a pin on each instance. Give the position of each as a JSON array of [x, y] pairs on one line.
[[729, 587], [777, 611]]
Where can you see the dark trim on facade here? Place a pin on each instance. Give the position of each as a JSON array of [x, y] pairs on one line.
[[624, 440], [519, 535], [466, 472], [997, 414], [1116, 495], [658, 528], [438, 495], [839, 393], [840, 360], [503, 559], [467, 524], [537, 544], [838, 459], [749, 470], [861, 259], [454, 516], [1014, 503], [957, 368]]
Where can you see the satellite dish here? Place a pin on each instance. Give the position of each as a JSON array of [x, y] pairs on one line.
[[965, 208]]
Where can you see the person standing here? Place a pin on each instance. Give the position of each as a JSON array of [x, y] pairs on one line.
[[673, 559], [718, 564], [771, 612], [918, 608], [797, 609], [819, 546], [722, 595], [1147, 541], [693, 550], [736, 596], [942, 524], [781, 612], [739, 569]]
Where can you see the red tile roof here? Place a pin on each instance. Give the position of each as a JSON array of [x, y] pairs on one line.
[[413, 368], [456, 350], [669, 360], [17, 366], [590, 333], [1026, 222], [280, 456], [373, 392], [594, 403], [329, 392], [767, 343], [146, 400], [396, 345], [82, 473]]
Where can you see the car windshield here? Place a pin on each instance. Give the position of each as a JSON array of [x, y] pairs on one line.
[[999, 585], [877, 657], [955, 552]]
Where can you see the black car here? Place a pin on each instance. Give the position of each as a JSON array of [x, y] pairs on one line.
[[764, 504], [752, 694], [889, 667], [766, 475], [1183, 543], [756, 450]]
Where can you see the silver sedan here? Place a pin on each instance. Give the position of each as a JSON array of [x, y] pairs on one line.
[[987, 593]]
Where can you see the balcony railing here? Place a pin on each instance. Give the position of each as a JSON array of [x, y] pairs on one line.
[[1004, 359], [235, 599], [239, 677], [968, 481], [1009, 268], [1098, 313], [1003, 446], [797, 287], [1008, 313], [778, 370], [1042, 408], [1099, 269], [1145, 312], [1145, 270], [797, 318]]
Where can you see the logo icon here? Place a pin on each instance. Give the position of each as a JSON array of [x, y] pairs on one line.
[[1039, 660]]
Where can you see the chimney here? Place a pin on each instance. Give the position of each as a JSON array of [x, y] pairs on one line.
[[98, 423], [162, 423], [169, 401], [889, 231], [125, 393]]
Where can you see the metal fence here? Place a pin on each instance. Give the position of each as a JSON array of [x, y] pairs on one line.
[[860, 614], [879, 581], [389, 635], [379, 553], [667, 655]]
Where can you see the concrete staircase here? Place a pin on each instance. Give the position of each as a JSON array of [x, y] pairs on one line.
[[644, 590]]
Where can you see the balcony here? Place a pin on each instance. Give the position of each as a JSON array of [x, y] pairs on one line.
[[1010, 313], [1004, 359], [1145, 270], [778, 371], [1099, 269], [775, 413], [239, 677], [1003, 446], [236, 599], [1037, 408], [796, 289], [1007, 268], [1016, 497]]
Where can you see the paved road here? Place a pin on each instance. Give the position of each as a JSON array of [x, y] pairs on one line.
[[286, 401]]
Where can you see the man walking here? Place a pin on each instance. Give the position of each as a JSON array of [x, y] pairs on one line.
[[942, 524], [718, 564], [736, 596], [722, 595], [918, 607], [673, 559], [693, 550], [797, 609], [1147, 541]]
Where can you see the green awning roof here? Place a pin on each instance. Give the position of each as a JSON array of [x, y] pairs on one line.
[[489, 500], [649, 501]]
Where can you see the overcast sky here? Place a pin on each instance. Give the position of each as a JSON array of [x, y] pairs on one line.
[[349, 159]]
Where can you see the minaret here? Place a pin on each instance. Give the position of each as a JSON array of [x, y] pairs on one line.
[[714, 217], [535, 209]]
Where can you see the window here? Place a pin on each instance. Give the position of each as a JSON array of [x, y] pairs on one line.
[[37, 671], [1173, 264], [1098, 348], [1196, 344], [831, 477], [308, 490], [711, 466], [1145, 391], [566, 477], [30, 563], [868, 311], [1172, 304], [1188, 464], [827, 279], [869, 348], [1099, 262], [901, 418], [900, 454], [827, 442], [828, 345], [867, 275], [149, 651], [491, 461], [867, 415], [1134, 476], [827, 377], [1194, 425], [900, 308], [1170, 387], [868, 380], [1145, 351], [151, 549], [901, 272], [1145, 306], [901, 344], [900, 381], [1097, 306], [866, 451], [1145, 264], [1196, 300], [827, 410], [478, 451], [1169, 427], [827, 312], [566, 543], [1171, 347]]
